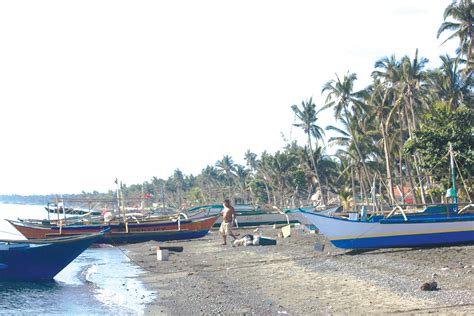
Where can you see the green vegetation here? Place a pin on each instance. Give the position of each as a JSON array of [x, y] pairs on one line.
[[393, 134]]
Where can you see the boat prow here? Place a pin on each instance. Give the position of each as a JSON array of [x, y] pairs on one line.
[[33, 260]]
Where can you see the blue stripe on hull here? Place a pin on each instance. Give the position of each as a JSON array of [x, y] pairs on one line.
[[423, 240]]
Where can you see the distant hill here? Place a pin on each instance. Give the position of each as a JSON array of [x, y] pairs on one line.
[[45, 199], [29, 199]]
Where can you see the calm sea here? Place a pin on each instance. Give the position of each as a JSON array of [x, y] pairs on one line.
[[100, 281]]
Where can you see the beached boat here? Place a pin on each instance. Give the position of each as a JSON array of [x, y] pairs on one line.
[[132, 231], [246, 215], [435, 225], [71, 211], [32, 260]]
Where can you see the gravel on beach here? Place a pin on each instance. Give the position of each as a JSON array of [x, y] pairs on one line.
[[297, 277]]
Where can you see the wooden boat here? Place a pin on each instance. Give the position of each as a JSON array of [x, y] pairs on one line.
[[60, 209], [41, 259], [247, 215], [121, 231], [435, 225], [426, 228]]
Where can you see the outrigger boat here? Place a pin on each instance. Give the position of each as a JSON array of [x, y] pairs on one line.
[[246, 215], [436, 225], [41, 259], [129, 231], [71, 211]]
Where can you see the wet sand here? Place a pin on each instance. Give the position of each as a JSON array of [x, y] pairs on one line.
[[294, 278]]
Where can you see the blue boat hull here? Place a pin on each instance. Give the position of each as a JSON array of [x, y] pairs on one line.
[[416, 230], [129, 238], [407, 241], [35, 262]]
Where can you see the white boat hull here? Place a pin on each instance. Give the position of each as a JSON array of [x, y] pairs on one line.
[[351, 234]]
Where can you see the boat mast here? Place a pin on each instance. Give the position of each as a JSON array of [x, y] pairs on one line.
[[119, 187], [142, 197]]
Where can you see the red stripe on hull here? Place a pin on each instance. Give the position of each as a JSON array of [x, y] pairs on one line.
[[35, 231]]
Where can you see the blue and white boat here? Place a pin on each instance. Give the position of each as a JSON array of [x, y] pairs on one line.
[[41, 259], [436, 225], [426, 228]]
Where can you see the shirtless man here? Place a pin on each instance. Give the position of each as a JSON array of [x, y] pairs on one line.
[[228, 214]]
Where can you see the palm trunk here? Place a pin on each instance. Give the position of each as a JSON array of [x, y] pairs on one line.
[[316, 170], [362, 189], [420, 178], [410, 180], [384, 128], [408, 165], [269, 198], [400, 155], [327, 190], [415, 158], [356, 145], [353, 189], [387, 164]]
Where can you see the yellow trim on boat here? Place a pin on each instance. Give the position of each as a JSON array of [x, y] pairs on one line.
[[405, 233]]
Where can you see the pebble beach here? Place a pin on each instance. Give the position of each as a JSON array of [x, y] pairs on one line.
[[303, 274]]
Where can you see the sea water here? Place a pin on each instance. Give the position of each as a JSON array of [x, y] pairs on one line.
[[102, 280]]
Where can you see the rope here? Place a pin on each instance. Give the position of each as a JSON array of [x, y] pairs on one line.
[[463, 182], [417, 180], [467, 158]]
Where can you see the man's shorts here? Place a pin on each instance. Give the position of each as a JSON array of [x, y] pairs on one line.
[[226, 228]]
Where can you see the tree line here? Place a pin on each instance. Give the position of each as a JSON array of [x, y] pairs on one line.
[[391, 138]]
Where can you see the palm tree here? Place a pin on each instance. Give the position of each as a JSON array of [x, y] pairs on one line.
[[348, 150], [278, 170], [400, 91], [209, 181], [159, 187], [242, 179], [308, 117], [178, 183], [326, 167], [449, 85], [413, 87], [225, 167], [413, 90], [252, 163], [348, 105], [251, 159], [263, 173], [462, 13]]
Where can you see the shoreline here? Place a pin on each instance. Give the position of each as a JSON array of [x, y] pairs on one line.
[[294, 278]]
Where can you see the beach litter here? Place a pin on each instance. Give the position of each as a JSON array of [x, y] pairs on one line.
[[286, 231], [162, 254], [429, 286], [251, 240], [319, 247]]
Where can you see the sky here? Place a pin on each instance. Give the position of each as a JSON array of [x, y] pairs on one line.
[[96, 90]]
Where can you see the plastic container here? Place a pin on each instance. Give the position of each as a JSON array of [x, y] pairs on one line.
[[162, 254], [353, 216]]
